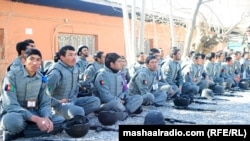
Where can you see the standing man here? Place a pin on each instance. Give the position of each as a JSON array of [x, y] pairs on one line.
[[24, 101], [109, 88], [63, 83]]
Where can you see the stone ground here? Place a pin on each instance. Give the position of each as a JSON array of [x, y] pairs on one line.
[[225, 110]]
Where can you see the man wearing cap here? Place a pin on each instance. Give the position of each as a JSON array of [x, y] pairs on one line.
[[81, 62]]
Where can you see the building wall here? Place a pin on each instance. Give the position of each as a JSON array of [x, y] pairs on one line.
[[47, 22]]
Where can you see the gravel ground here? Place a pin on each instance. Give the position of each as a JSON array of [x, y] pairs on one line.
[[225, 110]]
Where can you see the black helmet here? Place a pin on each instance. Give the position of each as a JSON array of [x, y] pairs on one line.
[[107, 117], [207, 93], [154, 118], [244, 84], [77, 127], [182, 101]]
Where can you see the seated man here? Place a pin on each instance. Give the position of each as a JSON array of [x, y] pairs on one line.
[[26, 109], [109, 88], [63, 83], [146, 84]]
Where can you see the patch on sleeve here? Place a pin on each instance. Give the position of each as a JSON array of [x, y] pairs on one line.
[[144, 82], [9, 87], [102, 82]]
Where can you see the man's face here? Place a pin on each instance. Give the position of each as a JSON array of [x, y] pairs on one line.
[[142, 58], [221, 57], [32, 45], [32, 63], [69, 58], [157, 55], [153, 64], [117, 65], [102, 59], [85, 52], [124, 63], [178, 56]]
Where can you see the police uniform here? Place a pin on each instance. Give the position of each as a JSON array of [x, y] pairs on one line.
[[135, 67], [237, 67], [246, 68], [24, 96], [16, 63], [193, 71], [146, 83], [64, 84], [90, 72], [81, 63], [109, 88], [172, 73], [228, 74], [210, 70]]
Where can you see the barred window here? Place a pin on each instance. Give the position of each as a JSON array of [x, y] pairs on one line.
[[76, 40]]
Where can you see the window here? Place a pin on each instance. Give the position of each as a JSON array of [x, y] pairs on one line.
[[76, 40]]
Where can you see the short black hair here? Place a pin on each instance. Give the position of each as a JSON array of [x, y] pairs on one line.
[[32, 51], [97, 55], [210, 56], [228, 59], [63, 50], [152, 51], [21, 46], [174, 51], [29, 41], [140, 53], [111, 57], [149, 58]]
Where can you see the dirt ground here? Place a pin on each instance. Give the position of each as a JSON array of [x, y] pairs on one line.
[[222, 110]]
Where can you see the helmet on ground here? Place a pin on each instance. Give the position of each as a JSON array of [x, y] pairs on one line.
[[154, 118], [77, 127], [107, 117], [244, 84], [218, 89], [207, 93], [182, 101]]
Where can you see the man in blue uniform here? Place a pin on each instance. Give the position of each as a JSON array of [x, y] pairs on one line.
[[109, 88], [24, 101], [63, 83]]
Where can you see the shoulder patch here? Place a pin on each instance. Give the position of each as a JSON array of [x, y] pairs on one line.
[[102, 82], [9, 88]]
